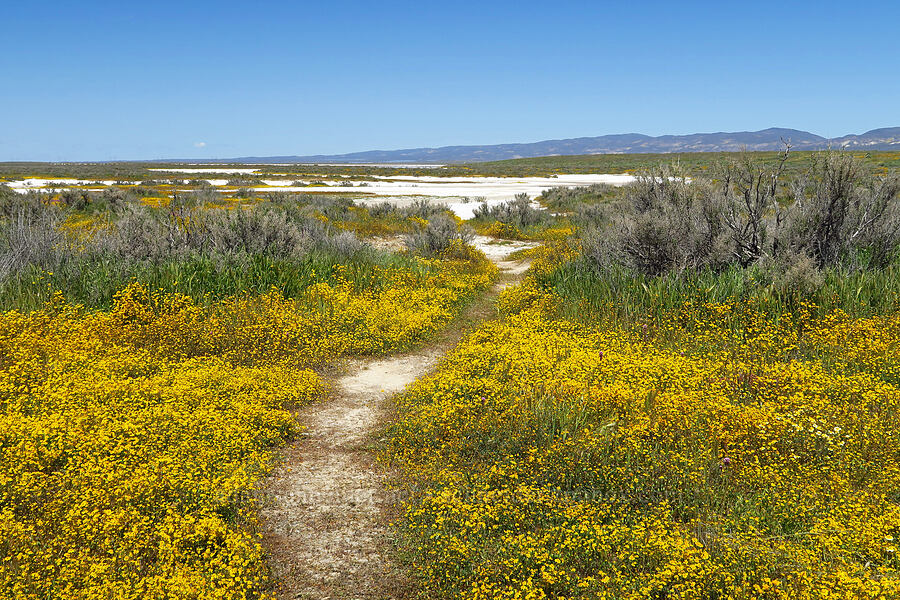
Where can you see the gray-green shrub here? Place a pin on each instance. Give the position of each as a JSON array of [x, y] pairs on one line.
[[835, 214], [438, 236], [517, 213]]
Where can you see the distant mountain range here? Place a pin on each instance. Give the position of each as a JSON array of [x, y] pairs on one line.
[[627, 143]]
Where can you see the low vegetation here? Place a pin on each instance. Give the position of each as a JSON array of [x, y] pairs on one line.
[[690, 163], [692, 398], [190, 246], [149, 362], [693, 163], [550, 458]]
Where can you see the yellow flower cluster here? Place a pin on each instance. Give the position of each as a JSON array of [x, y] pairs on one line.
[[560, 233], [156, 201], [547, 459], [124, 470], [548, 257], [502, 230], [508, 231], [131, 440]]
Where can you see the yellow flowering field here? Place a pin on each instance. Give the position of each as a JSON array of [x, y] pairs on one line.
[[549, 459], [131, 440]]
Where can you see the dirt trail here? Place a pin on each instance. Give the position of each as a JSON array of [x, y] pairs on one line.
[[324, 519]]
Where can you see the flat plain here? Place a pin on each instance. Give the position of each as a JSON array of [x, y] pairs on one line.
[[626, 376]]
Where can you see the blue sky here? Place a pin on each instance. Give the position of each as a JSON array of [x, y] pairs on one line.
[[106, 80]]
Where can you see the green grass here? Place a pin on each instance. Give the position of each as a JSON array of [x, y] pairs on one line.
[[621, 296], [94, 280]]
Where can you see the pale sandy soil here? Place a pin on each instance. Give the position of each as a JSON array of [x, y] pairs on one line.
[[461, 194], [324, 524], [34, 183], [499, 250], [326, 506], [496, 250], [453, 190]]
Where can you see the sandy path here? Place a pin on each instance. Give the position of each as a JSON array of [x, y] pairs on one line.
[[324, 518], [325, 527]]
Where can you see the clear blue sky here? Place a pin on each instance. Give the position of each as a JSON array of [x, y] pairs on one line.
[[119, 80]]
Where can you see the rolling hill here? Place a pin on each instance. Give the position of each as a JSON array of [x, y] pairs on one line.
[[628, 143]]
